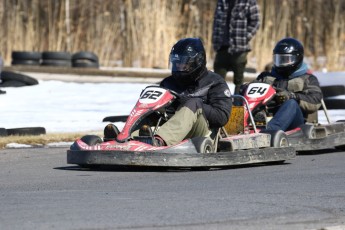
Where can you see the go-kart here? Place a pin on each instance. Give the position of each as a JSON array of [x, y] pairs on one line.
[[309, 136], [224, 147]]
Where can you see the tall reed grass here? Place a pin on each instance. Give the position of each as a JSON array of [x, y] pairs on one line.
[[141, 33]]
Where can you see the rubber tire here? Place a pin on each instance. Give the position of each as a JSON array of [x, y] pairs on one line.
[[79, 64], [333, 90], [278, 138], [55, 55], [12, 76], [12, 84], [25, 62], [87, 139], [85, 55], [3, 132], [203, 144], [335, 103], [55, 62], [26, 55], [26, 131], [91, 139]]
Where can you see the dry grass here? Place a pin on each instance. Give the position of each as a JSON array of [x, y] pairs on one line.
[[39, 140], [140, 33]]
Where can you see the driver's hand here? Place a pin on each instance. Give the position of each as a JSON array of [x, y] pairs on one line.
[[283, 95], [182, 98]]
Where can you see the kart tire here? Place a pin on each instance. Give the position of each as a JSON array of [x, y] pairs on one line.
[[52, 55], [12, 84], [91, 139], [26, 131], [12, 76], [85, 64], [3, 132], [85, 55], [203, 144], [334, 103], [25, 62], [26, 55], [54, 62], [278, 138], [333, 90]]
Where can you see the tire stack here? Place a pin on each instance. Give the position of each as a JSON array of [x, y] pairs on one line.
[[82, 59], [85, 59], [57, 59], [26, 58], [334, 96], [22, 131]]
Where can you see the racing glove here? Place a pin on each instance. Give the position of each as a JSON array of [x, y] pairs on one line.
[[283, 95], [183, 98]]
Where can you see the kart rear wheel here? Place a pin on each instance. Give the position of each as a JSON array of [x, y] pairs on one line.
[[279, 138], [203, 144]]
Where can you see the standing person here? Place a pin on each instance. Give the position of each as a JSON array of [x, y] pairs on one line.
[[298, 91], [235, 24]]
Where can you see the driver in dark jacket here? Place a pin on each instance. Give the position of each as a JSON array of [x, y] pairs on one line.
[[205, 99], [298, 92]]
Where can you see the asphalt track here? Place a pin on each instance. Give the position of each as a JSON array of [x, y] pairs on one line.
[[38, 190]]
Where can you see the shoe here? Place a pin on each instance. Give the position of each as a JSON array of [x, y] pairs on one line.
[[145, 131], [110, 132]]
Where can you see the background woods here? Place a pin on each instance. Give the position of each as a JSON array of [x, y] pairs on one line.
[[140, 33]]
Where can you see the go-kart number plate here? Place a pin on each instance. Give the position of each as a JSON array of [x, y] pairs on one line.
[[257, 90], [151, 95]]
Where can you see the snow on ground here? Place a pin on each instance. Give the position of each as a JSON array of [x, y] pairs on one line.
[[74, 107]]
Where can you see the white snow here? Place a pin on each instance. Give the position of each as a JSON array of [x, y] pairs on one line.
[[74, 107]]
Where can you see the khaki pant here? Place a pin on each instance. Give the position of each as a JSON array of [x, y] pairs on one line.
[[184, 124]]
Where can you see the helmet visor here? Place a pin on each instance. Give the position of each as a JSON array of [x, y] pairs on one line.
[[180, 63], [281, 60]]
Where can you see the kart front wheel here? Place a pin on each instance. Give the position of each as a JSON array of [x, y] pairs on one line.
[[203, 144]]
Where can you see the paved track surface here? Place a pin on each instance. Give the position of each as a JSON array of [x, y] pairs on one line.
[[38, 190]]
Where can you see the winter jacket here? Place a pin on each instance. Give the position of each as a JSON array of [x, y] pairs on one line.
[[242, 25], [304, 85], [214, 92]]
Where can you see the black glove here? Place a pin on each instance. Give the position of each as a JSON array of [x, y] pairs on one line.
[[183, 98], [262, 76], [283, 95]]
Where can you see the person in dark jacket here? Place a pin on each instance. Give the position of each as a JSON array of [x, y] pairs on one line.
[[298, 91], [205, 99], [235, 24]]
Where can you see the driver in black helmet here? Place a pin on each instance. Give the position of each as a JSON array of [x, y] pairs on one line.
[[298, 91], [204, 102]]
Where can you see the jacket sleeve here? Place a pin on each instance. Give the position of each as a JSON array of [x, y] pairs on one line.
[[218, 107], [253, 20], [311, 95]]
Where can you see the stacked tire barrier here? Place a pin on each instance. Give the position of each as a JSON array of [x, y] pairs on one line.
[[60, 59], [82, 59], [26, 58]]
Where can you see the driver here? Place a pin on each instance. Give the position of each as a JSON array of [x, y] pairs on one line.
[[204, 101], [298, 92]]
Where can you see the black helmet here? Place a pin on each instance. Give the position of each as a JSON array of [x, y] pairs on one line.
[[287, 56], [187, 60]]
